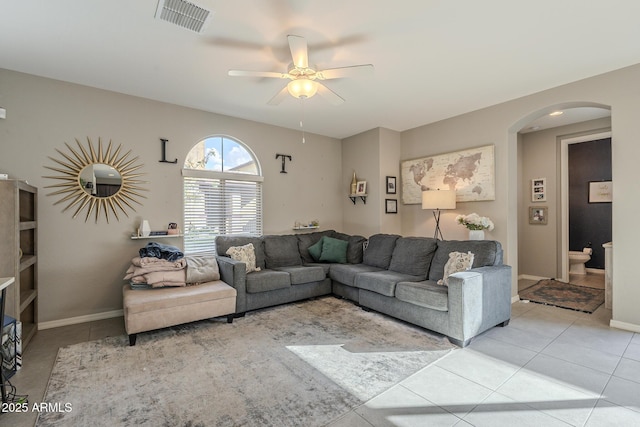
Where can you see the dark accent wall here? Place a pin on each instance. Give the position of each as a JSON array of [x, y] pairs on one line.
[[589, 222]]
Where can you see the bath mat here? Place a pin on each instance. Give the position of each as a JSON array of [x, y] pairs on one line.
[[564, 295]]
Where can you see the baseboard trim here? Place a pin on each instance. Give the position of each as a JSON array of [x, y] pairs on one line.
[[530, 277], [595, 270], [80, 319], [515, 298], [624, 325]]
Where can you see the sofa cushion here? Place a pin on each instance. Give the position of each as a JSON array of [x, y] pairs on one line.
[[346, 273], [308, 239], [383, 282], [267, 280], [334, 250], [304, 274], [458, 261], [281, 251], [245, 254], [325, 267], [413, 255], [223, 243], [355, 248], [426, 294], [485, 252], [379, 250]]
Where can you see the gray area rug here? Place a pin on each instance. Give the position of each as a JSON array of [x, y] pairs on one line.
[[304, 363]]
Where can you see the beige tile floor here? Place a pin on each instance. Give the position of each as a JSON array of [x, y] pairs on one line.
[[549, 367]]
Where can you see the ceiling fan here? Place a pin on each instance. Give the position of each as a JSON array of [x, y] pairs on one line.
[[304, 76]]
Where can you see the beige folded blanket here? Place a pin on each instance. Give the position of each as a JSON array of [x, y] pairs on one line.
[[158, 279], [151, 261]]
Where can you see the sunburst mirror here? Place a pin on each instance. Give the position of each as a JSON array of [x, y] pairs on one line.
[[97, 180]]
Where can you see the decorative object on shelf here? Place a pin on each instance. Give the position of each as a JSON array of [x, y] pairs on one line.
[[303, 225], [476, 225], [539, 190], [391, 185], [119, 173], [164, 152], [538, 215], [145, 229], [470, 172], [361, 188], [284, 158], [437, 200], [600, 192], [173, 229], [391, 206], [354, 184]]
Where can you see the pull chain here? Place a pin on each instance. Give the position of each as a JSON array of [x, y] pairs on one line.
[[302, 120]]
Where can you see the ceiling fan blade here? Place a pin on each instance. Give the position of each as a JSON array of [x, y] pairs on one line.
[[329, 95], [336, 73], [242, 73], [299, 53], [280, 96]]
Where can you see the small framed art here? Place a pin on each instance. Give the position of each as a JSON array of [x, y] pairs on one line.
[[391, 206], [538, 215], [600, 192], [539, 190], [361, 188], [391, 185]]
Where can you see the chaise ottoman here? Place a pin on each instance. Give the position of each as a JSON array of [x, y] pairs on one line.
[[149, 309]]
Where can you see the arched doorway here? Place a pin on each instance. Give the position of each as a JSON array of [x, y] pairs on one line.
[[546, 243]]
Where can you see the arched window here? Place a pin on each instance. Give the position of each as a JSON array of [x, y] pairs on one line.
[[222, 192]]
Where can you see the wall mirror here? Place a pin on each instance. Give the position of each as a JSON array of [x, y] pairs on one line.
[[97, 180]]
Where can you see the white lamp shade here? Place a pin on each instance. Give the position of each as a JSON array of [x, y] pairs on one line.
[[302, 88], [439, 199]]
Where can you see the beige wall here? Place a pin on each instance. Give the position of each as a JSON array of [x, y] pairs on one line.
[[81, 265], [374, 155], [539, 246], [499, 125]]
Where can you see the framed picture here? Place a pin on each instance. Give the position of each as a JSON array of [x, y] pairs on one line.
[[361, 188], [600, 192], [538, 215], [390, 206], [539, 190], [391, 185]]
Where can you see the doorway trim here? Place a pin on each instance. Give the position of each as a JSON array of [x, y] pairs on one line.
[[564, 191]]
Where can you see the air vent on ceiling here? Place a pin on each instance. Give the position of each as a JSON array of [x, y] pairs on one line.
[[184, 14]]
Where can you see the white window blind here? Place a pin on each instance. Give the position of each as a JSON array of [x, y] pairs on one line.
[[219, 205]]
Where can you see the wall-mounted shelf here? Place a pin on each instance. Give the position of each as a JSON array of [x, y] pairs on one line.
[[162, 236], [354, 197], [306, 227]]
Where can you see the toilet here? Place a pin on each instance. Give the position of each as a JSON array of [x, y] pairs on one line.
[[577, 259]]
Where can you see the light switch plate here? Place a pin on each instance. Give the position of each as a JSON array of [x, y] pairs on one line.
[[3, 113]]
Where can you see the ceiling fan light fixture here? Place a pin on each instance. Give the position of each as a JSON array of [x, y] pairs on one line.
[[302, 88]]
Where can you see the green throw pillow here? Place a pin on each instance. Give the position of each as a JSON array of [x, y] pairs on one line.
[[334, 250], [315, 250]]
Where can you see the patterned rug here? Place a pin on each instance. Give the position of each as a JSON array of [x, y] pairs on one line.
[[564, 295], [305, 363]]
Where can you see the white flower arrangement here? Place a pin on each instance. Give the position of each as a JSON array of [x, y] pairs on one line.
[[475, 222]]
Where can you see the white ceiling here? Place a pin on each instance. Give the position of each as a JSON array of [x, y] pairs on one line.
[[433, 59]]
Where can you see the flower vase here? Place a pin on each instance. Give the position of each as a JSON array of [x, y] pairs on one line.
[[145, 229], [476, 234]]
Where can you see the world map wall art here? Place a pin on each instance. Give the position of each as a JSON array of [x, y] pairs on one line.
[[470, 172]]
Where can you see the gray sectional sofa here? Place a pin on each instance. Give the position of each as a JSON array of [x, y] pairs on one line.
[[387, 273]]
